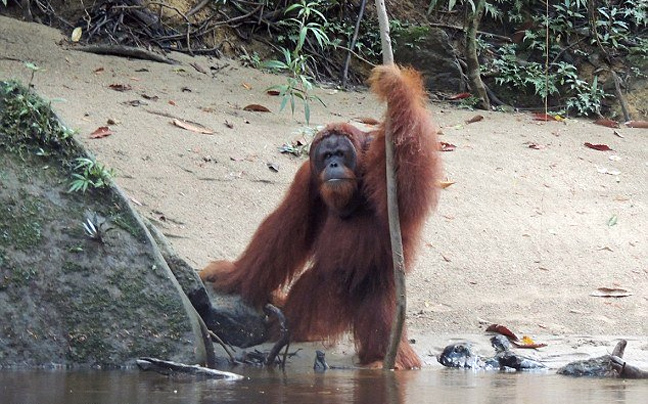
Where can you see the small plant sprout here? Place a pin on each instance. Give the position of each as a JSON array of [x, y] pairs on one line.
[[90, 174], [34, 69], [96, 227]]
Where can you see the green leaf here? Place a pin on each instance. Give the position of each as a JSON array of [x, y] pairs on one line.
[[613, 220], [274, 65], [31, 66], [284, 101], [307, 113]]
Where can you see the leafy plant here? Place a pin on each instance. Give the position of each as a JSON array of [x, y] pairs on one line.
[[96, 227], [29, 123], [299, 84], [33, 68], [90, 174], [538, 66]]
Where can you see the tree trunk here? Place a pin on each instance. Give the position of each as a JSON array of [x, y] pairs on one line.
[[474, 74]]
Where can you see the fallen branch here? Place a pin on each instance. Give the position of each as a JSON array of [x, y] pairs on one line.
[[284, 338], [171, 368], [125, 51]]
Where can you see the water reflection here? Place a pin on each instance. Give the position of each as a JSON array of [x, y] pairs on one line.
[[335, 386]]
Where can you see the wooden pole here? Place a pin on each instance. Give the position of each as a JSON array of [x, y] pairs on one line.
[[392, 208]]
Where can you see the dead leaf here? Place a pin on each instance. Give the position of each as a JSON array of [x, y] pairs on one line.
[[538, 116], [229, 124], [273, 167], [611, 292], [150, 97], [273, 92], [618, 134], [198, 67], [609, 123], [536, 146], [637, 124], [134, 103], [101, 132], [528, 343], [98, 70], [445, 184], [120, 87], [475, 118], [459, 96], [192, 127], [76, 34], [171, 102], [601, 147], [256, 108], [446, 147], [502, 329], [246, 86]]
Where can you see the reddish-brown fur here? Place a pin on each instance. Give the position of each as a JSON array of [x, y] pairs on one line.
[[348, 283]]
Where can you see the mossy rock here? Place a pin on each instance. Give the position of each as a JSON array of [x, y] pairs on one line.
[[69, 295]]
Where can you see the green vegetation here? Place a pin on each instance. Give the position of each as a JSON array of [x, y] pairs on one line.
[[299, 83], [541, 61], [28, 125], [90, 174]]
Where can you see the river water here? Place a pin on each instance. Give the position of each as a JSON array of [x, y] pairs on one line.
[[437, 385]]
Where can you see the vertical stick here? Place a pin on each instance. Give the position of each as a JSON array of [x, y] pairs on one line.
[[385, 39], [392, 208], [345, 71]]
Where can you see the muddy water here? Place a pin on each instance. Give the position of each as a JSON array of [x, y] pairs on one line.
[[437, 385]]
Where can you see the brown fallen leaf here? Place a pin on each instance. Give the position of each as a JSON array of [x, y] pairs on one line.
[[609, 123], [100, 132], [192, 127], [150, 97], [536, 146], [229, 124], [528, 343], [637, 124], [134, 103], [273, 92], [256, 108], [601, 147], [459, 96], [98, 70], [246, 86], [475, 118], [446, 147], [538, 116], [120, 87], [198, 67], [444, 184], [504, 330], [611, 292]]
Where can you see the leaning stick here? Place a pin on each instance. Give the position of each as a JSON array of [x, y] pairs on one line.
[[392, 209]]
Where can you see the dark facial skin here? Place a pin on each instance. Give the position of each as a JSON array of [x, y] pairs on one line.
[[335, 158], [335, 163]]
